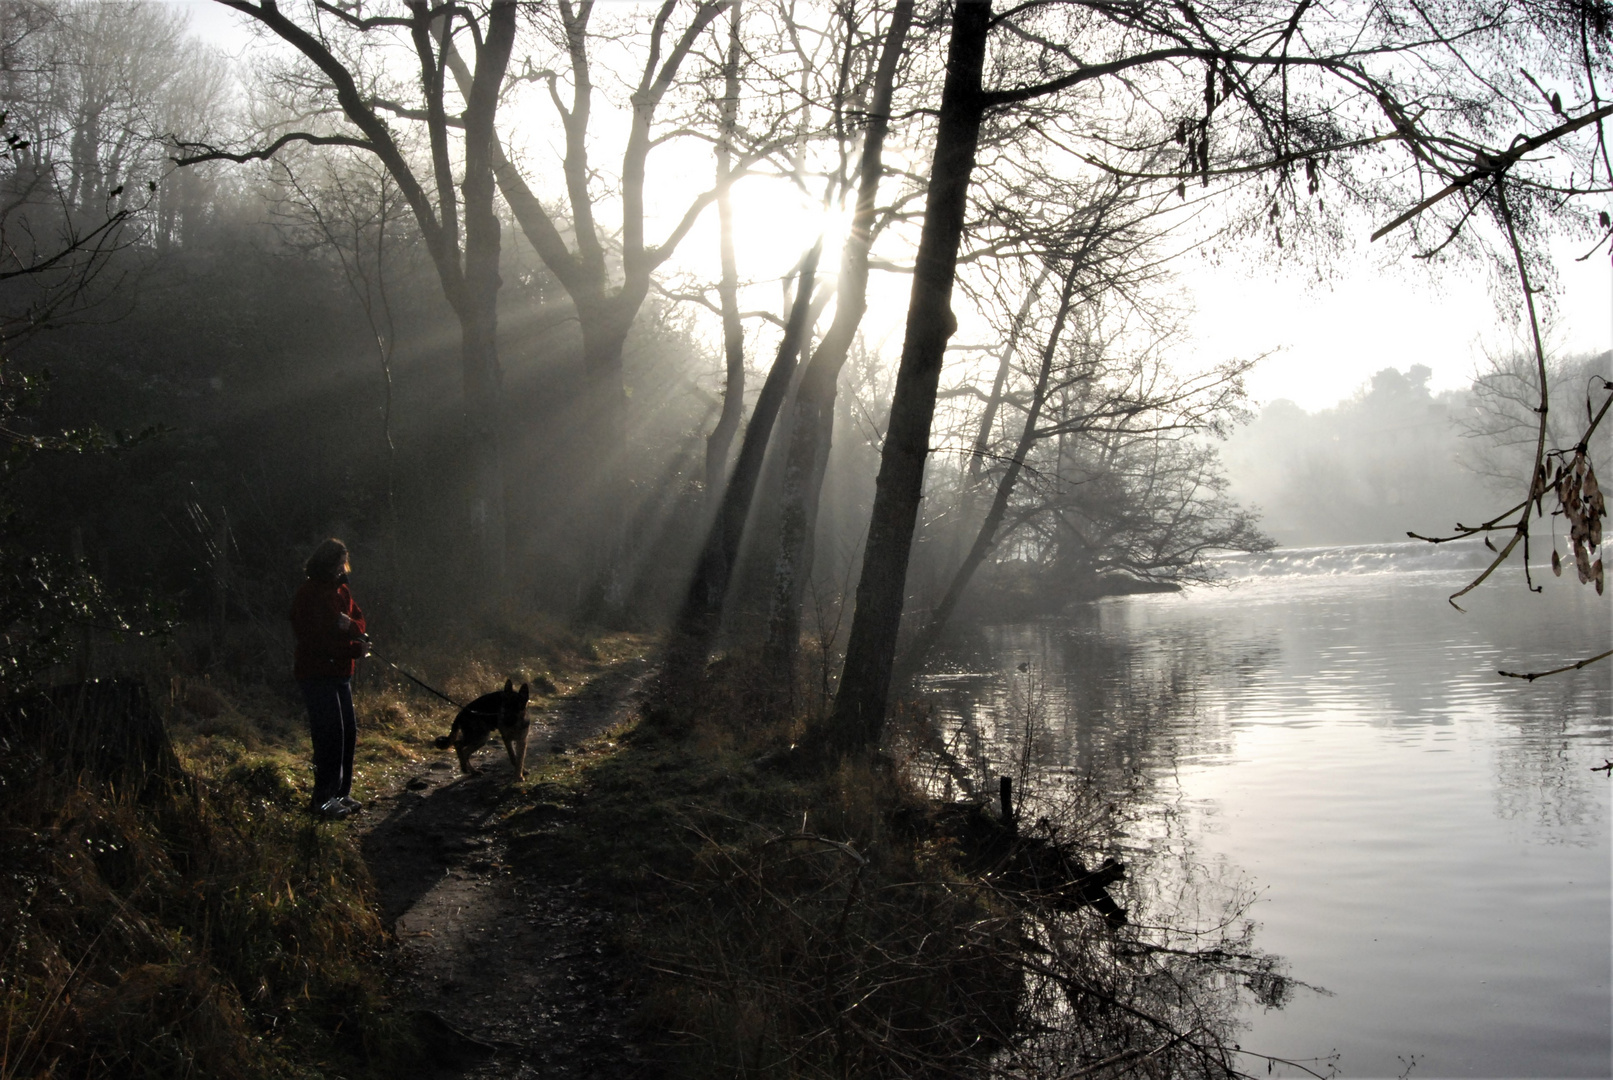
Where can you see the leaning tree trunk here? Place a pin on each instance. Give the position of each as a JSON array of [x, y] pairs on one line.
[[701, 613], [721, 439], [988, 415], [859, 712], [813, 427], [986, 539], [971, 484]]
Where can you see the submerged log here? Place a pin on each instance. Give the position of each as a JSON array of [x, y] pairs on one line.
[[1034, 868]]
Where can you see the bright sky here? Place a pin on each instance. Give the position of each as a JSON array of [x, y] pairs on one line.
[[215, 23], [1331, 337], [1326, 340]]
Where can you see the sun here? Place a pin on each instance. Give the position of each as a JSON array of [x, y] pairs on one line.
[[775, 222]]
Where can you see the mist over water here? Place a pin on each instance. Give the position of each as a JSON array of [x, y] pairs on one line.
[[1425, 839]]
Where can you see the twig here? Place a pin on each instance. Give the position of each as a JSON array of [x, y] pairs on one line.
[[1537, 479], [1533, 675]]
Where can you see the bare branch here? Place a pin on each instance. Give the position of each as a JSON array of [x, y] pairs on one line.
[[1494, 166], [206, 152], [1533, 675]]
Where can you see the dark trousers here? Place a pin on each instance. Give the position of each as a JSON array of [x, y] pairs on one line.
[[333, 729]]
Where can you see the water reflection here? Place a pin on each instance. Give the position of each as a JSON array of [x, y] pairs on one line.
[[1427, 839], [1093, 724], [1541, 766], [1075, 697]]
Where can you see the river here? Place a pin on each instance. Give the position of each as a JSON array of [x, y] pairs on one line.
[[1425, 842]]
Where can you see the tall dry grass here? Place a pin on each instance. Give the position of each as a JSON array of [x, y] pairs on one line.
[[208, 928]]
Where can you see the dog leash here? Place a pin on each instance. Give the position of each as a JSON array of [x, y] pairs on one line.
[[417, 681]]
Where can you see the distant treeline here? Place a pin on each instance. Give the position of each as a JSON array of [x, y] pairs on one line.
[[1396, 457]]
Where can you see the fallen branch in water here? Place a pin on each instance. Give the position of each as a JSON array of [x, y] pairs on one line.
[[1531, 676]]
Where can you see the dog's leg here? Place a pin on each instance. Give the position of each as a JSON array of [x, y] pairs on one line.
[[468, 744], [519, 756], [509, 750], [471, 744]]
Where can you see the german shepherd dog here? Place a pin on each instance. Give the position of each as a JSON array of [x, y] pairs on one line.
[[503, 710]]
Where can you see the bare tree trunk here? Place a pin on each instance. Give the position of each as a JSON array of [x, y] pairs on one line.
[[605, 312], [485, 494], [859, 712], [813, 427], [721, 438], [986, 538], [602, 514], [478, 306], [702, 606]]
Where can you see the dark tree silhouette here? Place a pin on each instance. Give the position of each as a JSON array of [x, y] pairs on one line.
[[460, 234]]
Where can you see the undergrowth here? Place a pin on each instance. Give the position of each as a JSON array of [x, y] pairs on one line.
[[792, 920], [206, 929]]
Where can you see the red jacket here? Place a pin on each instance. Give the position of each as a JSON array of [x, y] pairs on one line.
[[324, 649]]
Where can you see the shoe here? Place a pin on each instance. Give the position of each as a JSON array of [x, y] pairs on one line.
[[352, 804], [332, 809]]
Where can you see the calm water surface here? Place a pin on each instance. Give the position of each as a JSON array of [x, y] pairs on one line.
[[1423, 839]]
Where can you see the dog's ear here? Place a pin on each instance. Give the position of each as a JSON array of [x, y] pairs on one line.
[[526, 692], [509, 686]]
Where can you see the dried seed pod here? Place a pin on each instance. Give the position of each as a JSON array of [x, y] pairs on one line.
[[1595, 506]]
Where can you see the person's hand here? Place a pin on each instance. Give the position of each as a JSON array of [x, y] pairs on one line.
[[343, 622]]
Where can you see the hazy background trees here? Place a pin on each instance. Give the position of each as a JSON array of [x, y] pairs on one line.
[[1396, 457], [1389, 459]]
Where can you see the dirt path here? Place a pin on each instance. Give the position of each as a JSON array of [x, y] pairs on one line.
[[510, 970]]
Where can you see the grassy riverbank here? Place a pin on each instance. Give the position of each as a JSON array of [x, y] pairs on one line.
[[779, 918], [786, 921], [793, 921], [205, 925]]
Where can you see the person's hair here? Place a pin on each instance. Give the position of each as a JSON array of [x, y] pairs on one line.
[[326, 561]]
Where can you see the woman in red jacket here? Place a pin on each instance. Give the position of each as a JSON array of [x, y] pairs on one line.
[[329, 628]]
